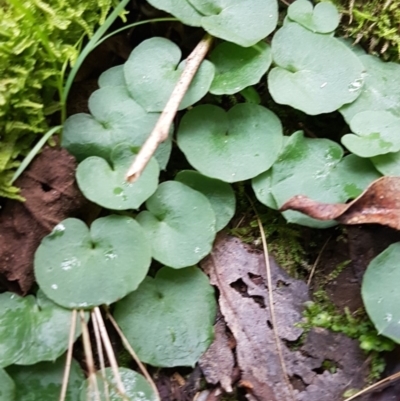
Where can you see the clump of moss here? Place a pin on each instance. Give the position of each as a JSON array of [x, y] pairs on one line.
[[38, 40], [284, 240], [374, 23], [322, 313]]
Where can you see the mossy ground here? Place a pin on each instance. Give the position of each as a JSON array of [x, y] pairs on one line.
[[373, 23]]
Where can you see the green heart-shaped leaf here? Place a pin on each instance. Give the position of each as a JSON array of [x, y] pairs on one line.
[[169, 320], [43, 381], [314, 168], [32, 330], [116, 118], [78, 268], [323, 18], [179, 223], [231, 146], [14, 327], [114, 76], [244, 22], [135, 385], [388, 164], [380, 292], [379, 91], [219, 193], [315, 73], [237, 67], [181, 9], [377, 134], [153, 69], [49, 330], [106, 185], [7, 387]]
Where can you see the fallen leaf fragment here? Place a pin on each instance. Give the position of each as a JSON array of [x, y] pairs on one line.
[[379, 203], [240, 275], [217, 362]]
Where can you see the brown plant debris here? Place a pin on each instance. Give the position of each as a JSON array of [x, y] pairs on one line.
[[217, 363], [379, 203], [321, 367], [51, 196]]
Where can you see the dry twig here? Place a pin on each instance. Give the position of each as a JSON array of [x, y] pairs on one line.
[[69, 356], [110, 352], [93, 387], [133, 355], [161, 129], [101, 355]]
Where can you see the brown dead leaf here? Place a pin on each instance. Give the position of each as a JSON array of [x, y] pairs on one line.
[[218, 362], [239, 273], [379, 203], [51, 196]]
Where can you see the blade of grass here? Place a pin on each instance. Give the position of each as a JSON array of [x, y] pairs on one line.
[[133, 25], [89, 47]]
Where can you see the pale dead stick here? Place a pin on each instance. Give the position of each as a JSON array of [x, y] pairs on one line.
[[101, 354], [110, 352], [133, 355], [271, 306], [69, 356], [375, 386], [161, 129]]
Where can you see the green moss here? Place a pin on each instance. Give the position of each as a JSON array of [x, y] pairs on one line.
[[322, 313], [284, 240], [375, 23], [38, 40]]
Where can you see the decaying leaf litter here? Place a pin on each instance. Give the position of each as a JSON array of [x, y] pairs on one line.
[[243, 332]]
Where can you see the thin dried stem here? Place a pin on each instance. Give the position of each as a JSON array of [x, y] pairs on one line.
[[69, 356], [89, 358], [110, 352], [317, 261], [133, 355], [272, 308], [161, 129], [378, 385], [101, 355]]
